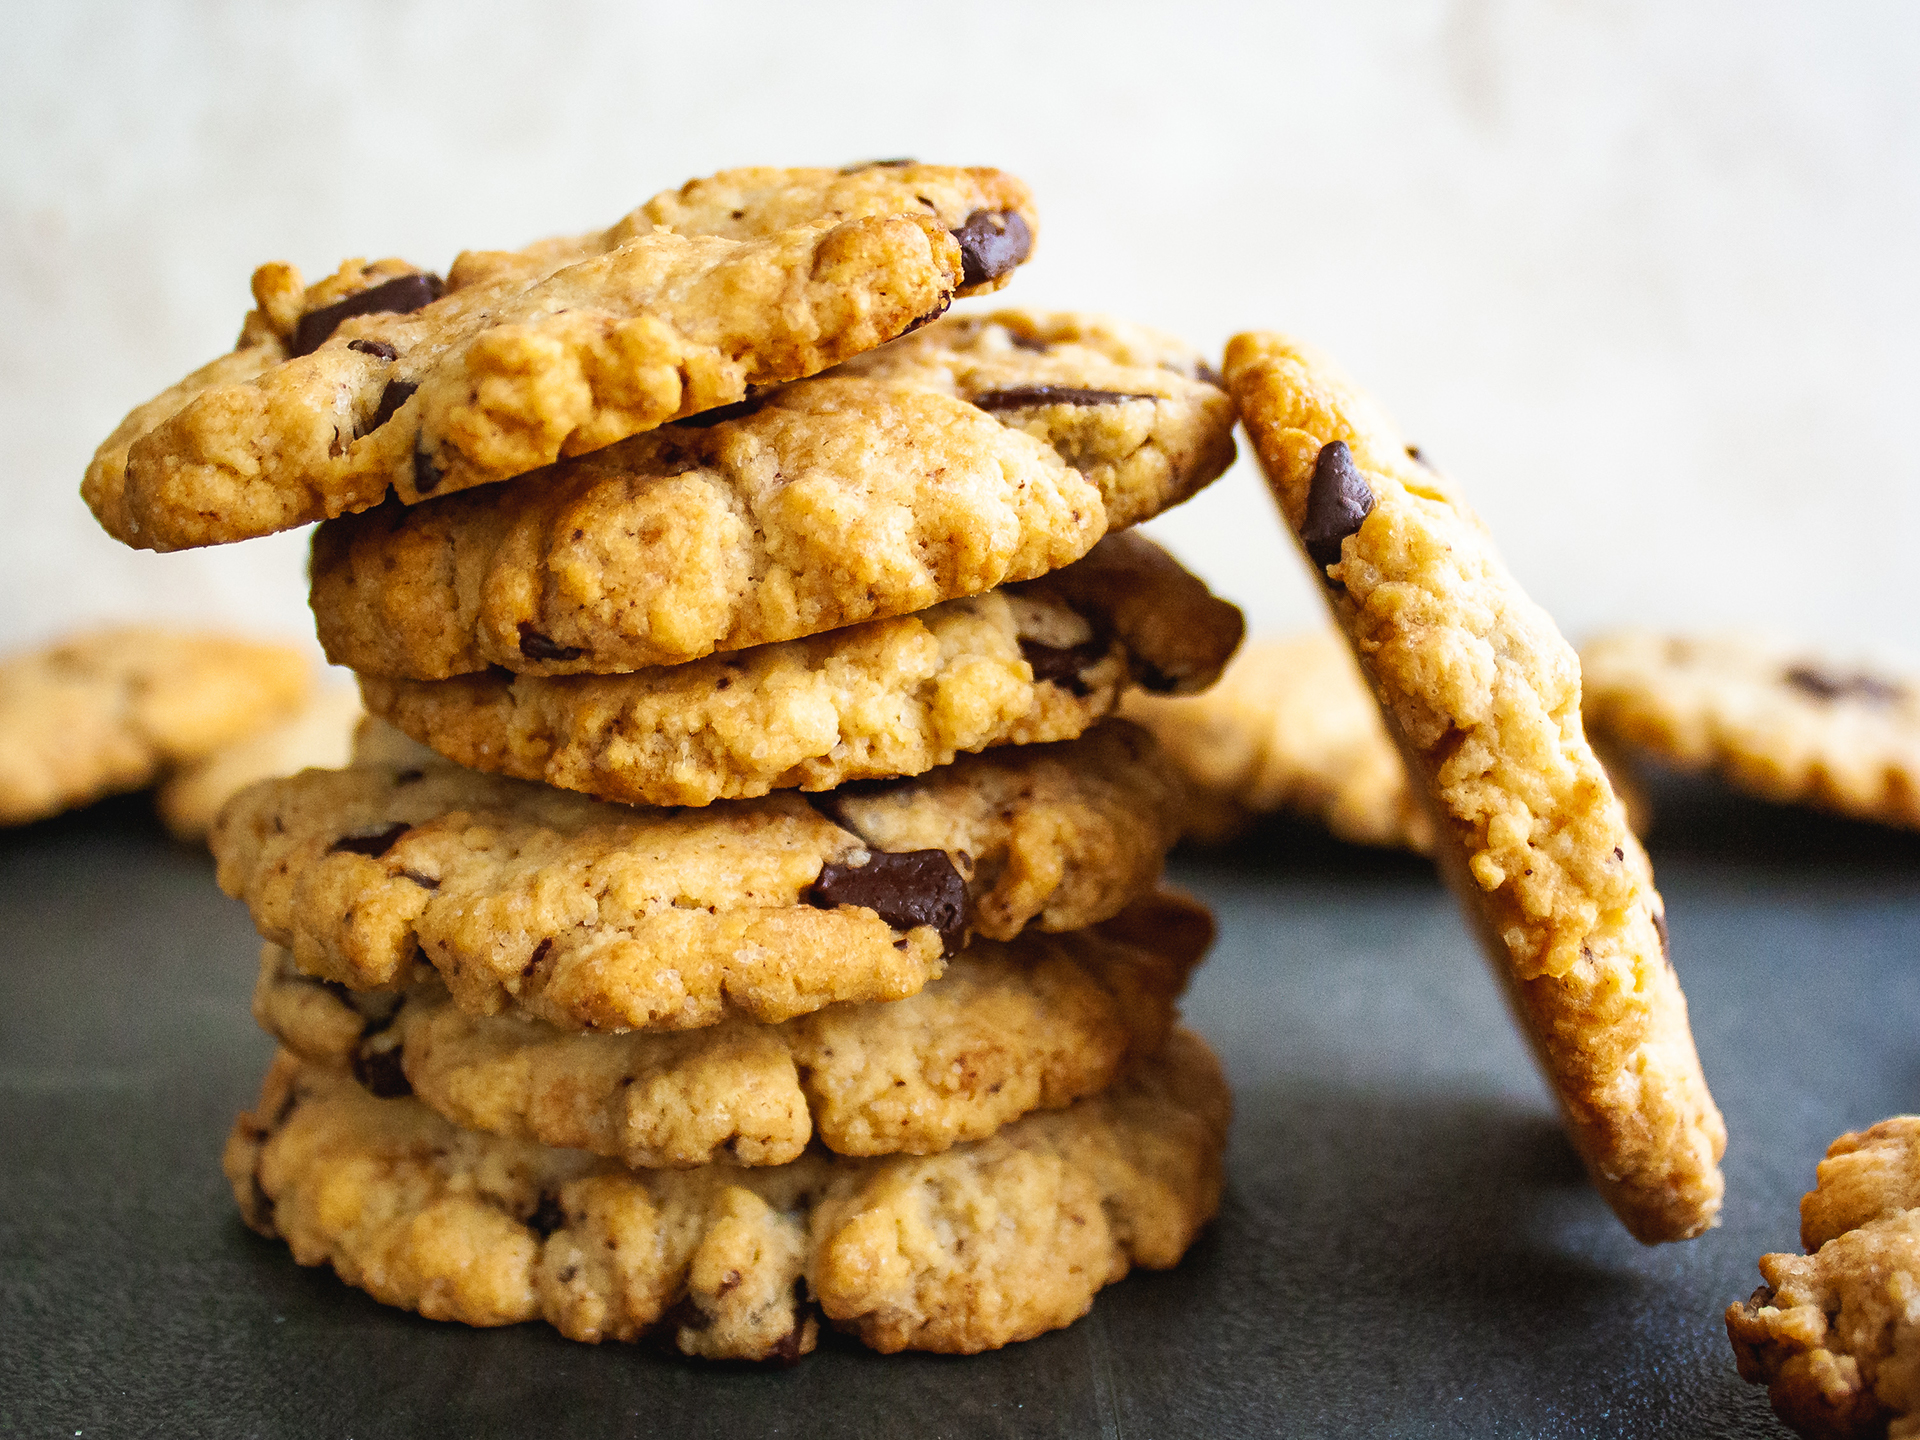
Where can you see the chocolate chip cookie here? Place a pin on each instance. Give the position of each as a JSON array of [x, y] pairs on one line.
[[1772, 719], [996, 1240], [1834, 1334], [1138, 413], [1033, 1024], [385, 377], [1482, 696], [1023, 664], [1289, 727], [593, 915], [114, 710], [845, 498]]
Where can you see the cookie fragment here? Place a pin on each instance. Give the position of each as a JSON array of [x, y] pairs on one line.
[[113, 710], [1023, 664], [1033, 1024], [988, 1242], [1482, 697], [1767, 717], [1834, 1335], [599, 916]]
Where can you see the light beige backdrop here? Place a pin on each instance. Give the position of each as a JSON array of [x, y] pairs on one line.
[[1642, 275]]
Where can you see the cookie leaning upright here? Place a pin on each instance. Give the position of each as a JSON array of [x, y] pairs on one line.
[[1482, 696], [385, 377]]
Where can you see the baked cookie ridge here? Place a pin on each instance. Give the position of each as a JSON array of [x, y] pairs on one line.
[[1034, 1024], [1022, 664], [593, 915], [1482, 696], [996, 1240]]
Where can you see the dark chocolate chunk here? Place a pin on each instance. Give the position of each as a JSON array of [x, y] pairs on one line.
[[1021, 397], [379, 1070], [932, 315], [426, 475], [540, 952], [377, 348], [859, 165], [1337, 501], [397, 393], [536, 646], [1151, 678], [401, 295], [548, 1216], [992, 242], [705, 419], [904, 888], [1826, 685], [1061, 664], [425, 882], [372, 846], [1028, 342]]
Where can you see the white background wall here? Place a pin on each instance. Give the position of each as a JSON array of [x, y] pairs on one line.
[[1642, 275]]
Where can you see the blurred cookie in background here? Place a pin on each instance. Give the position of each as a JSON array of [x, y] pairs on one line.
[[1289, 727], [112, 710], [1766, 717], [317, 735]]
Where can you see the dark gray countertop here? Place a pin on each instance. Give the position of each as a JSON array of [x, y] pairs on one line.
[[1406, 1245]]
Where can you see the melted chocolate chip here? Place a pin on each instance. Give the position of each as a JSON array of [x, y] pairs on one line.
[[373, 846], [548, 1216], [381, 1073], [536, 646], [992, 242], [859, 165], [377, 348], [931, 316], [1029, 342], [904, 888], [720, 414], [397, 393], [1061, 664], [425, 882], [1826, 685], [401, 295], [1207, 375], [540, 952], [1021, 397], [1337, 501], [426, 475]]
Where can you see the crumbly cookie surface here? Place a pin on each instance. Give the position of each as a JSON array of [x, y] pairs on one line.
[[385, 377], [1482, 696], [1771, 719], [989, 1242], [1137, 412], [594, 915], [1834, 1334], [317, 735], [113, 710], [1024, 664], [1034, 1024], [1289, 727], [832, 502]]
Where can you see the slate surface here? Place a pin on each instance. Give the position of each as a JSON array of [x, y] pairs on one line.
[[1406, 1246]]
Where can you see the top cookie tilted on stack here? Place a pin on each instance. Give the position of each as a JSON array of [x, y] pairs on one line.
[[741, 795]]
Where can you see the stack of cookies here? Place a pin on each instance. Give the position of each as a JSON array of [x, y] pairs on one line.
[[741, 908]]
